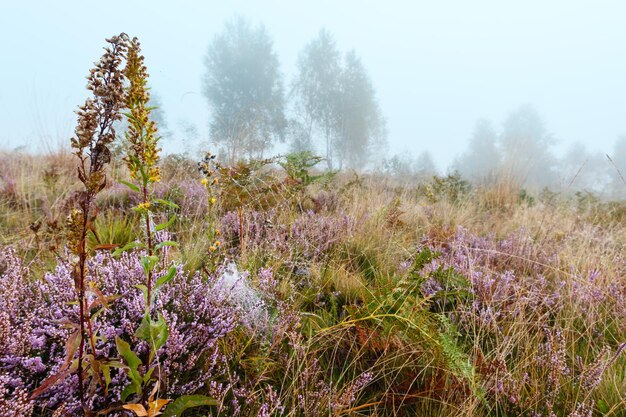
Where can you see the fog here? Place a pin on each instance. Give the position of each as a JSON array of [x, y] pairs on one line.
[[444, 74]]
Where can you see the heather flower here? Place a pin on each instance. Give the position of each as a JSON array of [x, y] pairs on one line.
[[351, 392], [309, 236], [404, 266], [591, 375], [33, 346], [430, 287], [516, 280], [267, 283], [271, 404], [14, 401], [552, 358], [582, 410]]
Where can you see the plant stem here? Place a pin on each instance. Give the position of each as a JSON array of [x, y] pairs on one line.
[[81, 300], [148, 285], [150, 249]]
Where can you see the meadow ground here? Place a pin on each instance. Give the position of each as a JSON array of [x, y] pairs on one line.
[[297, 295]]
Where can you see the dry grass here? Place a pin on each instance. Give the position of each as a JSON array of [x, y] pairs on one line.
[[349, 334]]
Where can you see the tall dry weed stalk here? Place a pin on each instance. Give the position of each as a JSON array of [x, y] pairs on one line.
[[142, 160], [93, 135]]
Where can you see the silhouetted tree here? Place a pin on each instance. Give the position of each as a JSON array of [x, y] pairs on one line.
[[581, 170], [424, 165], [189, 135], [482, 158], [299, 136], [360, 124], [618, 169], [316, 91], [336, 102], [525, 145], [406, 168], [244, 89]]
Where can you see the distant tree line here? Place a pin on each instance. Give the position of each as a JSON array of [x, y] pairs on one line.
[[330, 106], [523, 152]]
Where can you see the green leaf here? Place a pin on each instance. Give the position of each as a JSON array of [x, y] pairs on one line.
[[131, 186], [422, 258], [149, 262], [143, 289], [160, 332], [106, 372], [166, 224], [160, 245], [603, 407], [165, 278], [128, 246], [116, 364], [128, 390], [144, 177], [123, 348], [185, 402], [148, 375], [132, 118], [143, 331], [133, 362], [167, 203], [153, 332]]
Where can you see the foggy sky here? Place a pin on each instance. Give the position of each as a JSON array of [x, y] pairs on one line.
[[437, 66]]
